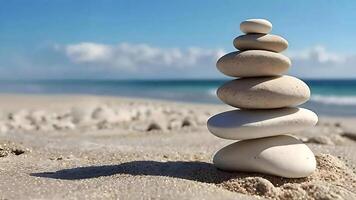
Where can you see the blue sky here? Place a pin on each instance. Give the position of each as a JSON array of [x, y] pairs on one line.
[[166, 39]]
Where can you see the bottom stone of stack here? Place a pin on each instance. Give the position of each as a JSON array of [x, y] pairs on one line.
[[281, 155]]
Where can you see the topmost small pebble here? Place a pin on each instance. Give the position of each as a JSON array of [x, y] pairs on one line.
[[256, 26]]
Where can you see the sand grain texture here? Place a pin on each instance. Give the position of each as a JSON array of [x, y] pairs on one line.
[[118, 153]]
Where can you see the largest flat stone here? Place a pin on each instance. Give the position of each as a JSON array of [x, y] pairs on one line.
[[264, 92], [252, 124], [253, 63], [282, 155], [267, 42]]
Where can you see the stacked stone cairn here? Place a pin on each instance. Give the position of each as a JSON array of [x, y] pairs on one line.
[[267, 113]]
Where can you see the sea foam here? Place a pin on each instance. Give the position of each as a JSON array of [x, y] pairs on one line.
[[335, 100]]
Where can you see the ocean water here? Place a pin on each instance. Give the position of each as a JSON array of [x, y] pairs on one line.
[[329, 97]]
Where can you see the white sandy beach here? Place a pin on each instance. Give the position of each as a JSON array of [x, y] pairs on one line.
[[91, 147]]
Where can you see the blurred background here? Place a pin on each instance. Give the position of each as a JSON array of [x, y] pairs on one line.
[[168, 50]]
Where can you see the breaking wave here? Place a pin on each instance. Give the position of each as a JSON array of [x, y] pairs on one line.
[[334, 100]]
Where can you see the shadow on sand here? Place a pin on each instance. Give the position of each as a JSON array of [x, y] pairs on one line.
[[196, 171]]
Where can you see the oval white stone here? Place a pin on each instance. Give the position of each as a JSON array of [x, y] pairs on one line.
[[281, 155], [264, 92], [252, 124], [253, 63], [256, 26], [267, 42]]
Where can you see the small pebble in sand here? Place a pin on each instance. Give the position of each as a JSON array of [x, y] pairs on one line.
[[19, 116], [82, 115], [188, 122], [104, 113], [252, 185], [175, 124], [64, 125], [3, 127], [9, 148], [38, 116]]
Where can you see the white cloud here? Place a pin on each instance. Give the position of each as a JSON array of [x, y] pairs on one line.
[[317, 54], [314, 62], [127, 56], [140, 61], [318, 62], [88, 52], [130, 60]]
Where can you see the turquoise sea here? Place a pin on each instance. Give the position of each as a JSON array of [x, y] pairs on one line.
[[330, 97]]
